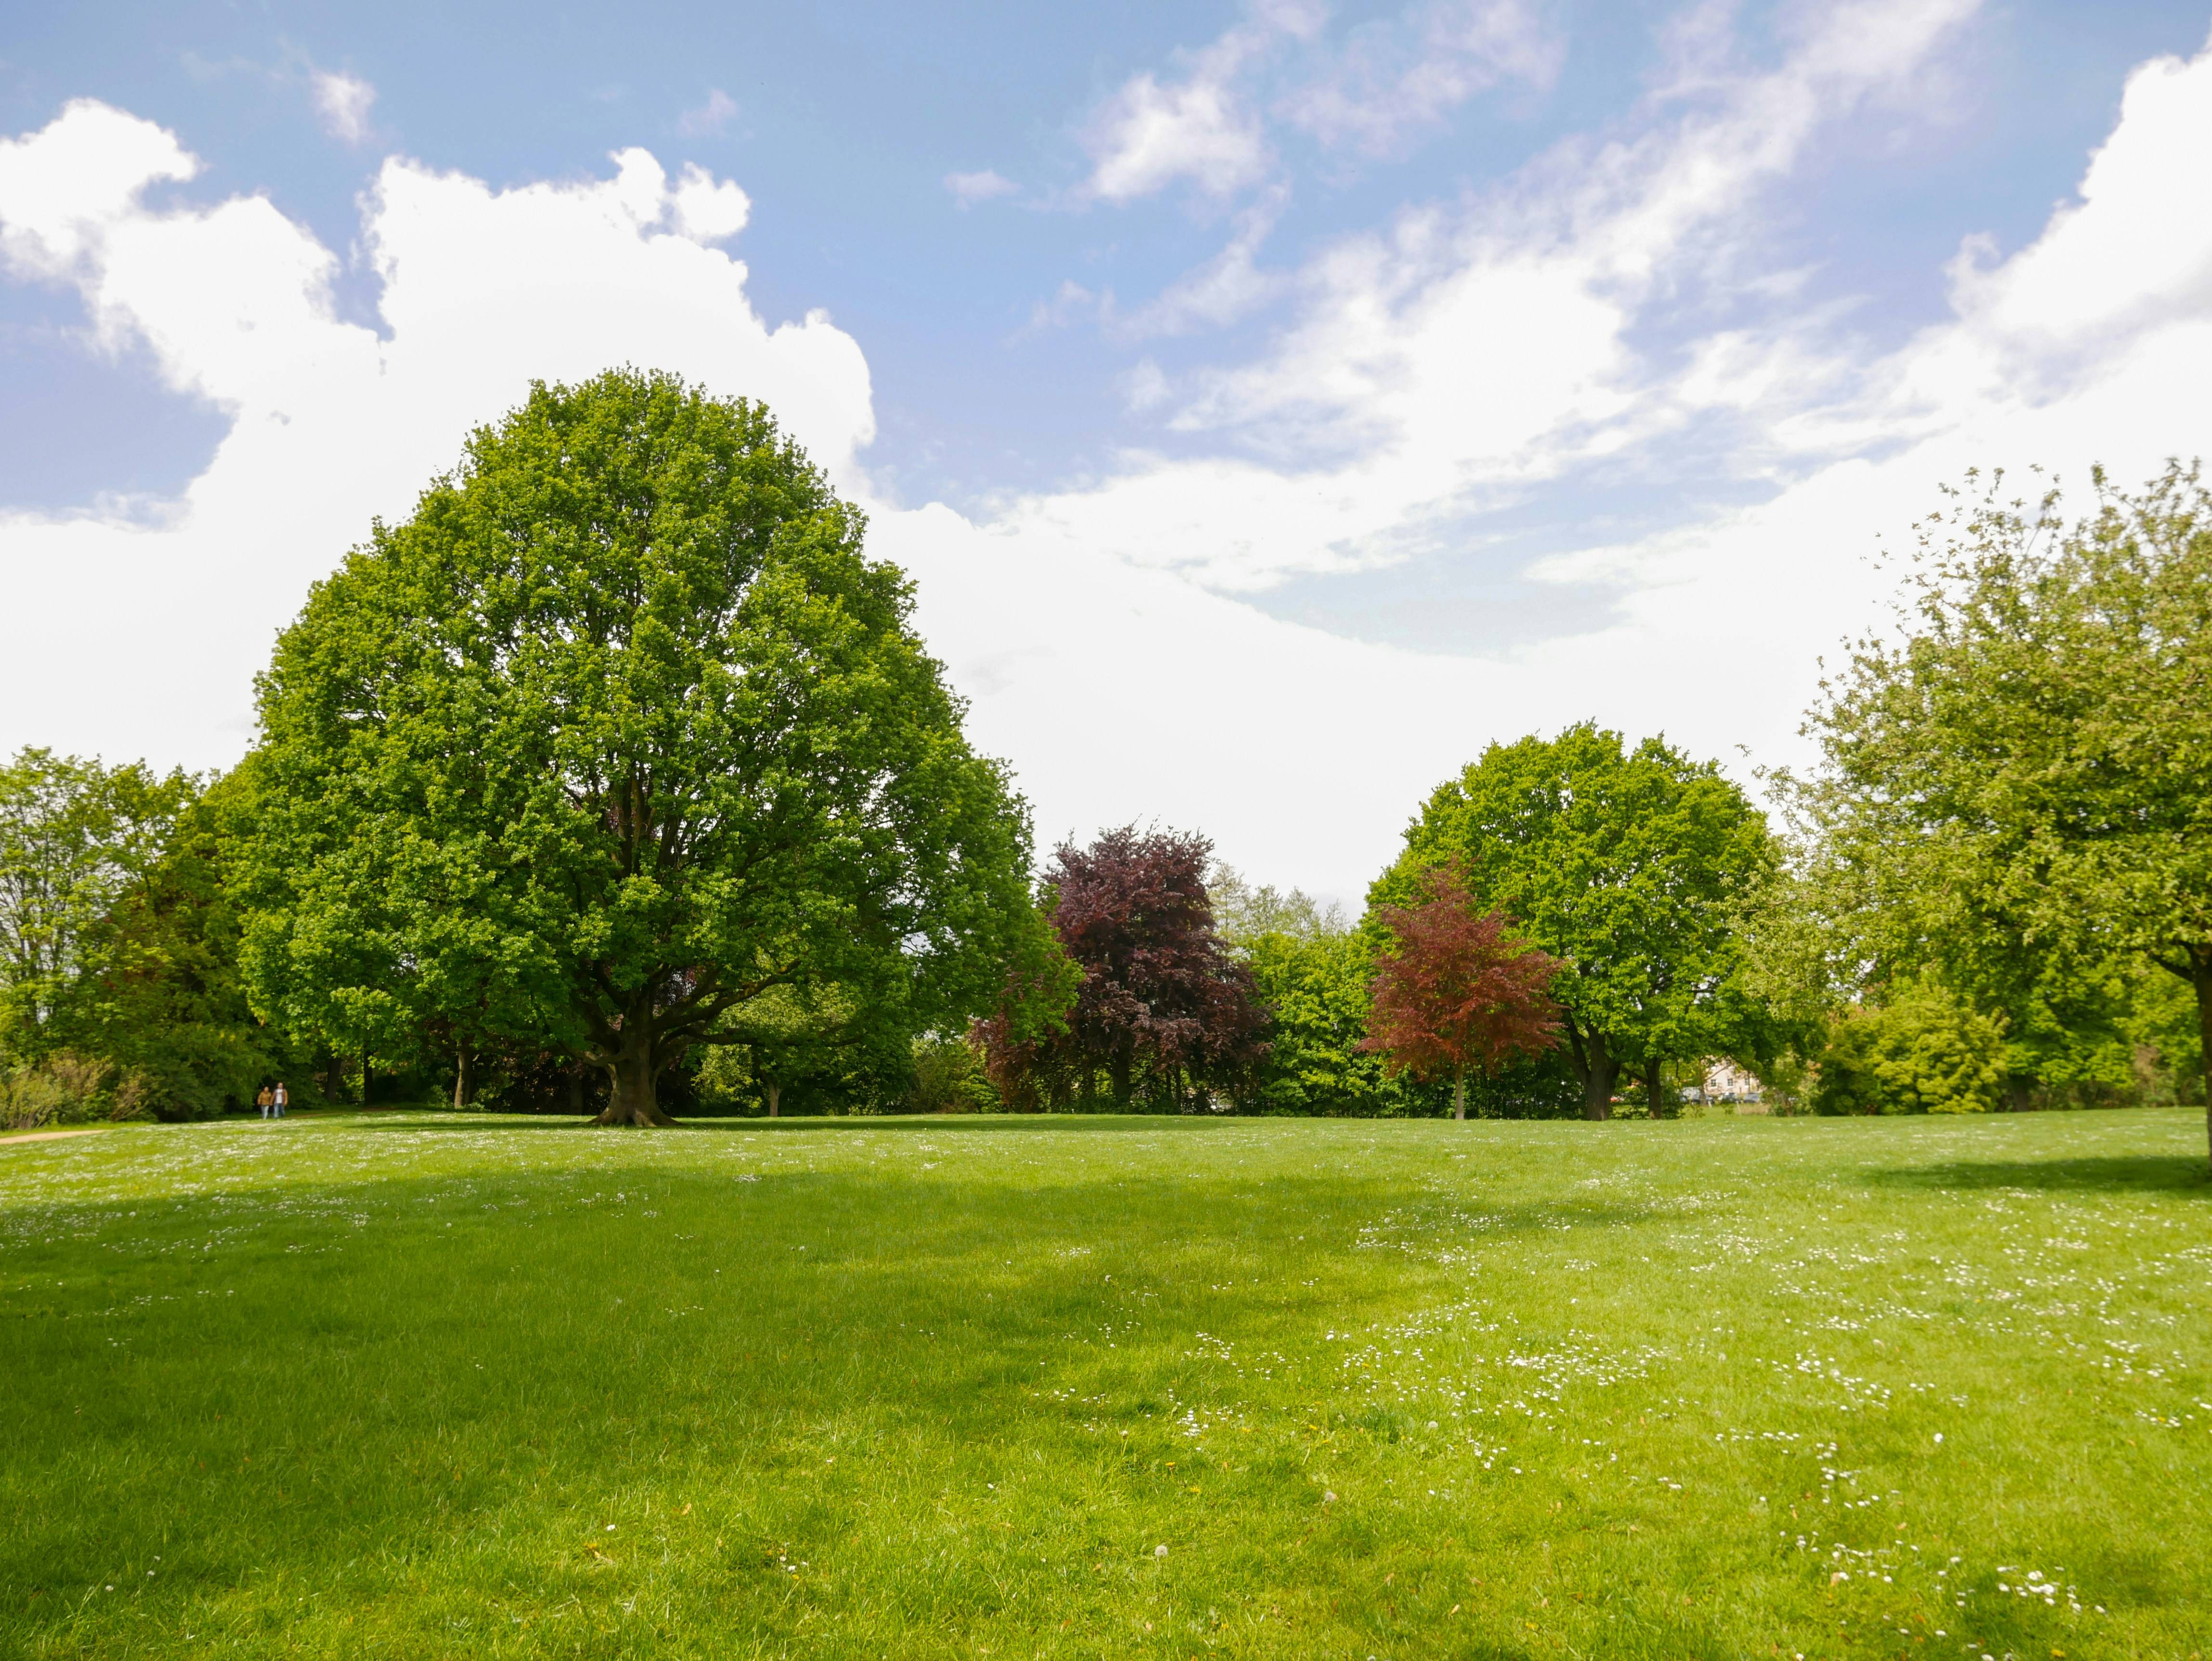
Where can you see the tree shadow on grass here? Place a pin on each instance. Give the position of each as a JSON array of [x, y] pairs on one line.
[[2144, 1173], [828, 1125]]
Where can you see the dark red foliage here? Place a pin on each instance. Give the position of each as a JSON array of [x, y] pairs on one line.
[[1160, 993], [1458, 991]]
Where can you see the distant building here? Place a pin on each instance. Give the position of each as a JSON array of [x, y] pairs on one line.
[[1727, 1082]]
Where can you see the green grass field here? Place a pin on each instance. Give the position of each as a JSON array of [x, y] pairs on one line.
[[431, 1386]]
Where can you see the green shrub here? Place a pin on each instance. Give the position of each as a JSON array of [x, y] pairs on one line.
[[1925, 1052], [948, 1078], [68, 1089]]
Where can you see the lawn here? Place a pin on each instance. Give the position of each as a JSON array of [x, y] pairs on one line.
[[432, 1385]]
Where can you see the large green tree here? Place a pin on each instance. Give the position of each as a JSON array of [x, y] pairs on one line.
[[117, 936], [620, 732], [77, 840], [1310, 972], [2031, 752], [1627, 866]]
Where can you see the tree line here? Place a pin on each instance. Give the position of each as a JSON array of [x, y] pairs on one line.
[[617, 780]]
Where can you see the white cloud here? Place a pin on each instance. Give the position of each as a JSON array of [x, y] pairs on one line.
[[1395, 78], [1391, 78], [1463, 357], [1202, 127], [1450, 361], [1456, 360], [1150, 135], [1145, 388], [706, 208], [970, 188], [1229, 286], [342, 101], [710, 118], [1069, 301], [65, 185], [150, 635]]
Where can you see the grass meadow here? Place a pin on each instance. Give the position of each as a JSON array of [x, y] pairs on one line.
[[445, 1385]]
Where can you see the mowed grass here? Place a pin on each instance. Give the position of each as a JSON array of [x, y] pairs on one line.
[[452, 1386]]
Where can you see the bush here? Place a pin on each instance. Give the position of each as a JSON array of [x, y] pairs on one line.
[[1926, 1052], [948, 1078], [67, 1089]]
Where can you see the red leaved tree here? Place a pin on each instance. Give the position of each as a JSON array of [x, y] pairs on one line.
[[1458, 991], [1161, 1000]]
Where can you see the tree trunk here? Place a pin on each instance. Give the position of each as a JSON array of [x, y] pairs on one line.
[[1597, 1090], [1655, 1090], [2016, 1088], [1596, 1068], [1459, 1096], [1118, 1073], [774, 1094], [364, 1077], [2200, 976], [461, 1078], [577, 1087], [634, 1101]]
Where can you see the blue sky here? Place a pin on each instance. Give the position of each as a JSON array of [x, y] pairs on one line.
[[1181, 313]]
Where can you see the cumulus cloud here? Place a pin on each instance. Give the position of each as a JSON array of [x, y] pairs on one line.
[[1458, 358], [708, 209], [152, 632], [970, 188], [342, 101]]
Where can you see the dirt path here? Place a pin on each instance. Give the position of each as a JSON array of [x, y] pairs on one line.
[[51, 1135]]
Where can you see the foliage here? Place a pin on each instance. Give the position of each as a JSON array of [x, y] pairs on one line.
[[1161, 1000], [1629, 866], [1456, 991], [61, 1088], [2028, 764], [948, 1077], [822, 1041], [75, 839], [117, 931], [1243, 914], [618, 734], [1927, 1051], [1019, 1043], [1314, 990], [1310, 974]]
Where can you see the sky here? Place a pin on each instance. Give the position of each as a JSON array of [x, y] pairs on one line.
[[1274, 403]]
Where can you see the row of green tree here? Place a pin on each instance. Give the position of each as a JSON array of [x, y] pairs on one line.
[[617, 779]]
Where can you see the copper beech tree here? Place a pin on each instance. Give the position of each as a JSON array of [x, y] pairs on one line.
[[1457, 991], [1153, 996]]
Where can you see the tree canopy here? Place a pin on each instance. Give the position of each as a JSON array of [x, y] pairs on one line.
[[2028, 763], [1456, 991], [1160, 1001], [117, 936], [1627, 866], [618, 733]]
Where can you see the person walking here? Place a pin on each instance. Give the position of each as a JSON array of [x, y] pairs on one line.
[[281, 1099], [266, 1101]]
